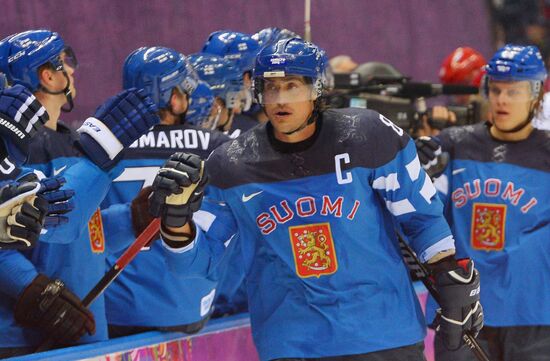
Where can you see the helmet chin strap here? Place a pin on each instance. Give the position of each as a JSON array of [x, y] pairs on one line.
[[310, 119], [66, 91]]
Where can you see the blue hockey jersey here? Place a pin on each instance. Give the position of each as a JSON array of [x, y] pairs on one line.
[[496, 199], [160, 296], [74, 252], [316, 225]]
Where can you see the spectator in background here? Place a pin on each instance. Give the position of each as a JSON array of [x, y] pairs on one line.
[[342, 64], [463, 66]]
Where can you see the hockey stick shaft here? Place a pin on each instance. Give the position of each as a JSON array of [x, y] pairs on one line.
[[143, 239], [423, 274], [131, 252]]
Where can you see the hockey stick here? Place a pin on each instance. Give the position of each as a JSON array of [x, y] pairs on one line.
[[131, 252], [307, 20], [422, 273]]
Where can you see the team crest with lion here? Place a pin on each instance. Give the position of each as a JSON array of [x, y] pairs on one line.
[[313, 249]]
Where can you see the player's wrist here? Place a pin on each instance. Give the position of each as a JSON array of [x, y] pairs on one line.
[[178, 237], [441, 255]]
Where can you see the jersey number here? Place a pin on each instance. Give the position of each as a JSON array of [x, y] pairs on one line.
[[146, 175], [391, 124]]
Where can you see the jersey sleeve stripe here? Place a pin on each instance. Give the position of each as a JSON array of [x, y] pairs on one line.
[[389, 183], [413, 168], [428, 190], [400, 207]]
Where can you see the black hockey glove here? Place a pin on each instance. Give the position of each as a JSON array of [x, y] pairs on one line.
[[50, 307], [178, 189], [458, 285], [430, 155], [22, 215]]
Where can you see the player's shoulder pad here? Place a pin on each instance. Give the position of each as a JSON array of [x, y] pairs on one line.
[[366, 131], [461, 136], [226, 161]]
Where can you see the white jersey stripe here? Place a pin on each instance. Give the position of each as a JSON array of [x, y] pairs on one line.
[[428, 190], [414, 168], [389, 183], [400, 207]]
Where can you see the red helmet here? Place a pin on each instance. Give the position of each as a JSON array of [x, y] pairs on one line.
[[463, 66]]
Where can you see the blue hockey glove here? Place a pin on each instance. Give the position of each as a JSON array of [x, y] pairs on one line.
[[458, 285], [21, 117], [22, 214], [115, 125], [59, 201]]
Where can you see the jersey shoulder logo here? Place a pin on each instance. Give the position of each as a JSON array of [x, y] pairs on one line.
[[95, 229], [488, 226], [246, 198], [57, 171], [313, 250]]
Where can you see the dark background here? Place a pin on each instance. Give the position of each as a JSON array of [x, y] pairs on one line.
[[413, 35]]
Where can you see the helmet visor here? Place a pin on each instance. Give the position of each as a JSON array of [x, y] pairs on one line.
[[510, 92], [69, 57], [284, 90]]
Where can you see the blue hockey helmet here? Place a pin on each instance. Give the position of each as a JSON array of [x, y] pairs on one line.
[[22, 54], [234, 46], [516, 63], [272, 35], [200, 105], [223, 77], [158, 70], [291, 57]]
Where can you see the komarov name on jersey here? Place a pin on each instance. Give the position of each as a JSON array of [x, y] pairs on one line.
[[174, 138]]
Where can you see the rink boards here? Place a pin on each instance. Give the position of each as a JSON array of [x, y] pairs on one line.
[[227, 339]]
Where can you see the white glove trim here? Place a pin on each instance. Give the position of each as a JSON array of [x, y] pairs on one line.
[[102, 135]]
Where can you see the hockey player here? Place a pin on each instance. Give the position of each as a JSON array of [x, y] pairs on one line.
[[22, 209], [226, 82], [39, 60], [495, 191], [269, 36], [200, 104], [181, 302], [316, 195], [240, 49]]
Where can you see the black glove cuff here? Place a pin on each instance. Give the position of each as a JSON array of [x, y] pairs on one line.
[[177, 239]]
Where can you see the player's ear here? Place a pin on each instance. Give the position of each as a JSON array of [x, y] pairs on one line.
[[46, 76], [173, 98]]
